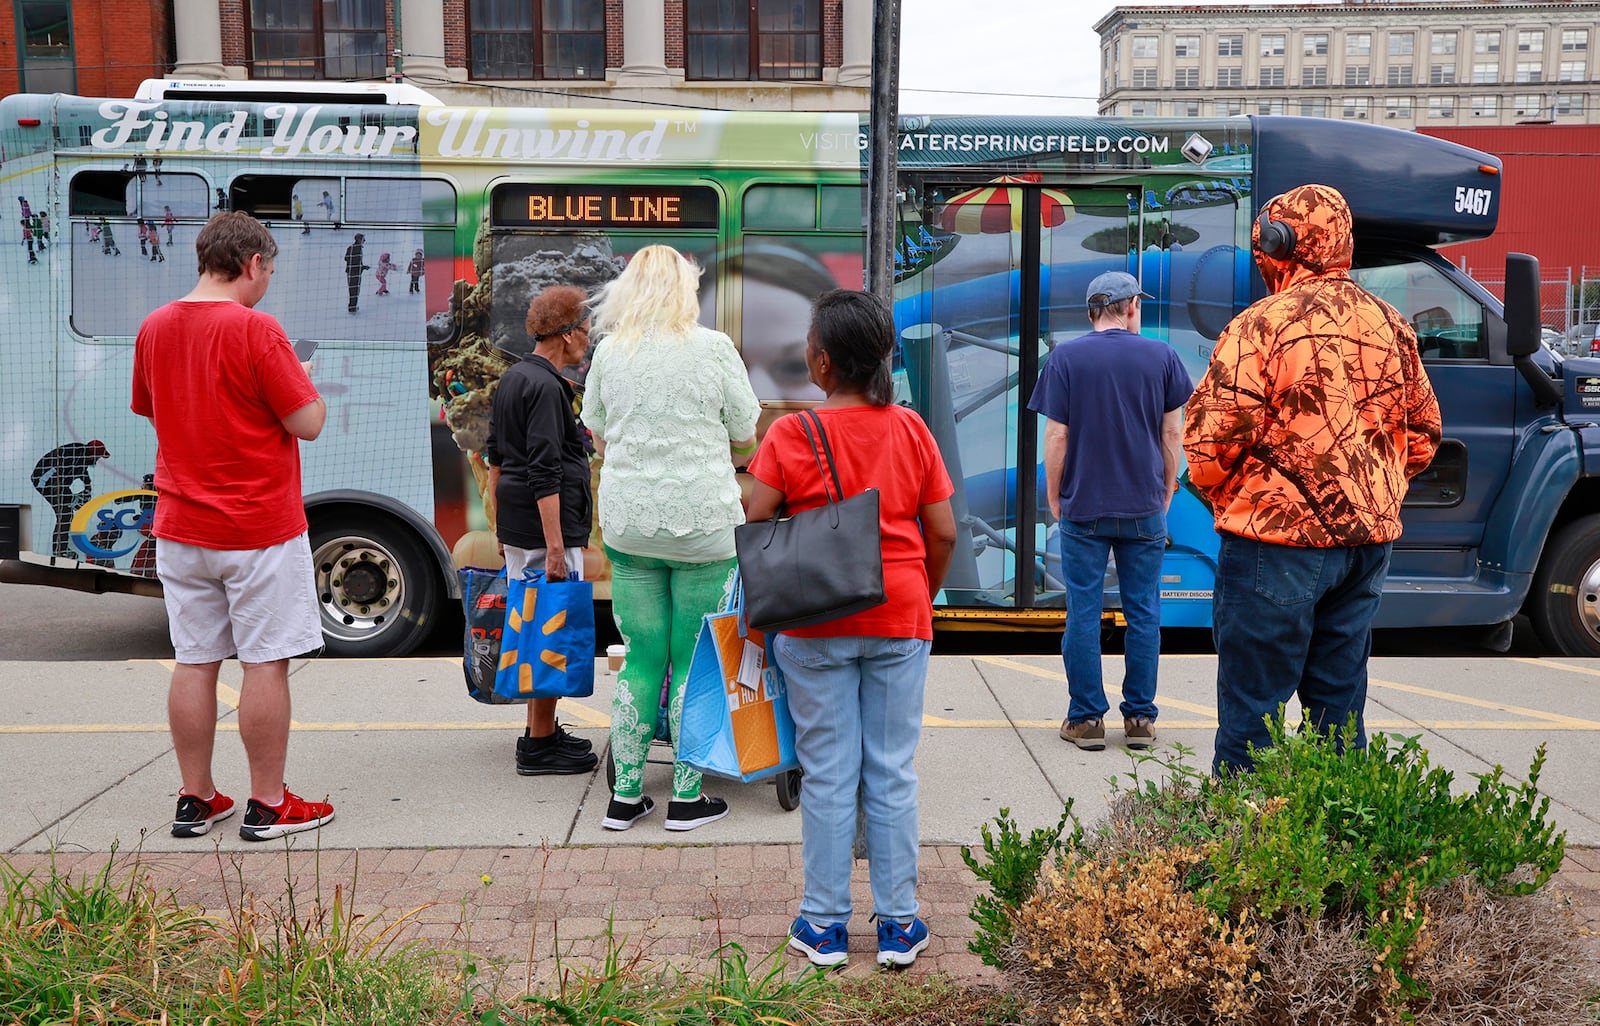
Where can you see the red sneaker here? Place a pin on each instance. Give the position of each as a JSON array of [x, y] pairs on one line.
[[264, 822], [195, 815]]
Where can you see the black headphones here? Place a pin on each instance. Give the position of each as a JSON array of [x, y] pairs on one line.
[[1276, 238]]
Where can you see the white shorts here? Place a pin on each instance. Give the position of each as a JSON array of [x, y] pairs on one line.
[[258, 604], [519, 560]]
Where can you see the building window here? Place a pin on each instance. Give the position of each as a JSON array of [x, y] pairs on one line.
[[1402, 43], [1186, 46], [1357, 75], [1272, 76], [1314, 76], [1443, 42], [1314, 108], [1230, 46], [1485, 106], [1442, 74], [1571, 71], [311, 39], [1530, 71], [1441, 106], [546, 39], [1230, 78], [1186, 78], [1530, 41], [1269, 107], [1574, 40], [1357, 44], [1316, 44], [1397, 107], [1141, 109], [1485, 74], [45, 27], [1145, 46], [1187, 109], [1272, 46], [1486, 42], [1570, 104], [1527, 105], [749, 40], [1230, 108], [1400, 74], [1144, 78], [1355, 107]]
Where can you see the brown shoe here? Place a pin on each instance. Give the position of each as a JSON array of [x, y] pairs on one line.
[[1089, 735], [1140, 731]]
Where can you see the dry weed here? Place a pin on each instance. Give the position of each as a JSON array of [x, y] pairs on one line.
[[1103, 944]]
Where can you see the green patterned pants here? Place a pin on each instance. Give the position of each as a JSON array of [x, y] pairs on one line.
[[658, 605]]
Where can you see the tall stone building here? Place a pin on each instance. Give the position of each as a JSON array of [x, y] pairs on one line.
[[1408, 65], [724, 54]]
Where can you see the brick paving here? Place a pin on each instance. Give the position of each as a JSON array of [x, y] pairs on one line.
[[519, 907]]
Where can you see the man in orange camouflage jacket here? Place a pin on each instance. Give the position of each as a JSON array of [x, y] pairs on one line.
[[1313, 415]]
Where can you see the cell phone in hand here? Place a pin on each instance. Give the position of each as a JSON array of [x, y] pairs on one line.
[[303, 348]]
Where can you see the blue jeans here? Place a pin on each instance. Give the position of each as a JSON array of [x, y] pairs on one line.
[[1139, 545], [1287, 621], [857, 706]]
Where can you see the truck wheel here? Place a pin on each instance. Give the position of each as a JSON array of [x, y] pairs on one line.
[[377, 586], [1564, 604]]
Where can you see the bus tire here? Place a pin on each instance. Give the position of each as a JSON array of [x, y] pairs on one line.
[[378, 587], [1564, 604]]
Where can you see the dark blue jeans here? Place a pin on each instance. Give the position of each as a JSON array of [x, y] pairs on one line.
[[1287, 621], [1138, 544]]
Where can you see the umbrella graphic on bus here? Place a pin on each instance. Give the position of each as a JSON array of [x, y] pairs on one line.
[[996, 208]]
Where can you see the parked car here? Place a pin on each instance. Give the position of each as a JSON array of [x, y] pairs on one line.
[[1582, 339]]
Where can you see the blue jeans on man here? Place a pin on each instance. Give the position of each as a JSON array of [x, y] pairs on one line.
[[1288, 620], [1138, 544]]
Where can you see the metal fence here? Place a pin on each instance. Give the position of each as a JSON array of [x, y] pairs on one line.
[[1568, 296]]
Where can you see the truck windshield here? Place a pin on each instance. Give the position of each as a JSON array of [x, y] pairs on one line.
[[1449, 323]]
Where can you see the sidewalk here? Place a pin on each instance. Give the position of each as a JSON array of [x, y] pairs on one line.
[[428, 804]]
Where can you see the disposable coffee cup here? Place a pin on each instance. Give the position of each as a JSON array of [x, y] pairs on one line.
[[614, 654]]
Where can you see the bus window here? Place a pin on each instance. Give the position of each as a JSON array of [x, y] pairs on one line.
[[842, 207], [103, 193], [1448, 322], [399, 200], [780, 206]]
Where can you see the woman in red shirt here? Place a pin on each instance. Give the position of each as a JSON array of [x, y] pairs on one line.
[[855, 683]]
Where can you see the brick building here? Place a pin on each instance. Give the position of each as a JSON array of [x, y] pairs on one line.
[[101, 48], [725, 54]]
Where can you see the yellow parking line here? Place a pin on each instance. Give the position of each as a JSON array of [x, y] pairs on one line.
[[1546, 664], [1571, 722], [1055, 675], [226, 694]]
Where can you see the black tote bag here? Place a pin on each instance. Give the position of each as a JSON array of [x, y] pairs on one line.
[[816, 565]]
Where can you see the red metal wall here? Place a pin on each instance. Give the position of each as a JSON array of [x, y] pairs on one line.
[[1550, 202]]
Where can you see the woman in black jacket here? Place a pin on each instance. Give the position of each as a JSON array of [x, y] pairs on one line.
[[539, 474]]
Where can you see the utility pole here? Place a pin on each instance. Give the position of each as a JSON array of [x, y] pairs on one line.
[[884, 119]]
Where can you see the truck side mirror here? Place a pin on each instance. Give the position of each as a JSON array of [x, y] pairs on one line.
[[1522, 305], [1522, 327]]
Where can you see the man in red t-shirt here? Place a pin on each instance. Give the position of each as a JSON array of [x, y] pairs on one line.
[[230, 402]]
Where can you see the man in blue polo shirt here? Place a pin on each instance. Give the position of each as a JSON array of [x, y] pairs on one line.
[[1113, 402]]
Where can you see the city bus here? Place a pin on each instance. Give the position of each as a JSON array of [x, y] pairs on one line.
[[412, 236]]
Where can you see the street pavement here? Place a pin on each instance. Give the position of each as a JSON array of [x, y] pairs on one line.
[[432, 816]]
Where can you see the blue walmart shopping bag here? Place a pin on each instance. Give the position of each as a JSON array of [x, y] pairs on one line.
[[547, 647], [735, 720]]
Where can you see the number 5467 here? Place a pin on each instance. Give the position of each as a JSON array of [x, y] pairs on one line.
[[1472, 201]]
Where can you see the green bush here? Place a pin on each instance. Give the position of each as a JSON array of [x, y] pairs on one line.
[[1322, 843], [1011, 869]]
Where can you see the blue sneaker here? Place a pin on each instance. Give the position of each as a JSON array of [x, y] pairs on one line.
[[898, 946], [827, 947]]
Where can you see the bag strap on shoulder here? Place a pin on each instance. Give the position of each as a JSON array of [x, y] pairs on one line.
[[807, 419]]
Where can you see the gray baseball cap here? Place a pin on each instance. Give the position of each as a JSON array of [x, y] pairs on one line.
[[1114, 287]]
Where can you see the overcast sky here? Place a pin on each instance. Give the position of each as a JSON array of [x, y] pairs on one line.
[[1015, 50]]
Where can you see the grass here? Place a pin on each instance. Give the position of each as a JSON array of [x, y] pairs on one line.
[[108, 947]]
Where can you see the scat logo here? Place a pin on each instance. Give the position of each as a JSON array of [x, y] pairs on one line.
[[112, 525]]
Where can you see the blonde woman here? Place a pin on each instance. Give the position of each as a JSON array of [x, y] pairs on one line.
[[666, 399]]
